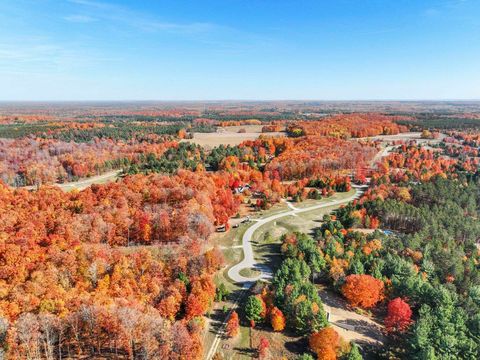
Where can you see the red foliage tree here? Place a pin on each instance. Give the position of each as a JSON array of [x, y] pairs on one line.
[[399, 316], [263, 348]]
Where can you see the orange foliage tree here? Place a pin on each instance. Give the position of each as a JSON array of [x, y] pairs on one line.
[[74, 278], [351, 125], [325, 343], [363, 290], [233, 325], [277, 319]]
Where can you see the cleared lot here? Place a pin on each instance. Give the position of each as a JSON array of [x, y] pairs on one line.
[[211, 140], [84, 183], [230, 136], [417, 136]]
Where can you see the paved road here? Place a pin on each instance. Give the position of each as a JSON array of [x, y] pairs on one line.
[[266, 273], [249, 259]]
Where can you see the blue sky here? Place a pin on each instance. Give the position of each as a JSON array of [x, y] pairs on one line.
[[239, 49]]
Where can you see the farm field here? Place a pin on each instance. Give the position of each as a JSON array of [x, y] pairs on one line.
[[210, 140], [230, 135], [417, 136]]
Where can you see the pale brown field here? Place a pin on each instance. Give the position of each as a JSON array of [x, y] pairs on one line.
[[407, 137], [230, 136]]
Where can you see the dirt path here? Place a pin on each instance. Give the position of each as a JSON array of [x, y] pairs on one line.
[[222, 326], [84, 183], [350, 325], [381, 154], [230, 136]]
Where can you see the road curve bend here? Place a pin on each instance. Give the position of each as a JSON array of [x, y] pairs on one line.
[[249, 259]]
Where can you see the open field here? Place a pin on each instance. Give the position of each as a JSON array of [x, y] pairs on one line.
[[229, 136], [248, 128], [407, 136]]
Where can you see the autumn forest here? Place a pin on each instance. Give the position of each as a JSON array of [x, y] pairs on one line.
[[278, 230]]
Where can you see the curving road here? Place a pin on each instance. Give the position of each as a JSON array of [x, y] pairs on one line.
[[249, 259], [266, 273]]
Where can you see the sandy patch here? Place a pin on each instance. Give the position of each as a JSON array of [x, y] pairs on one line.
[[230, 136]]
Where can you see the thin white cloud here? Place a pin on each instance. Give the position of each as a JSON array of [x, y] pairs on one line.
[[173, 27], [141, 21], [222, 38], [45, 57], [82, 19], [96, 4], [30, 53]]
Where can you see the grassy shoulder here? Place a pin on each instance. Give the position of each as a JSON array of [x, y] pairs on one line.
[[266, 242], [250, 273], [230, 245], [334, 197], [275, 209]]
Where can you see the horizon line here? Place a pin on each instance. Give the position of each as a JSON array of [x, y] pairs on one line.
[[242, 100]]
